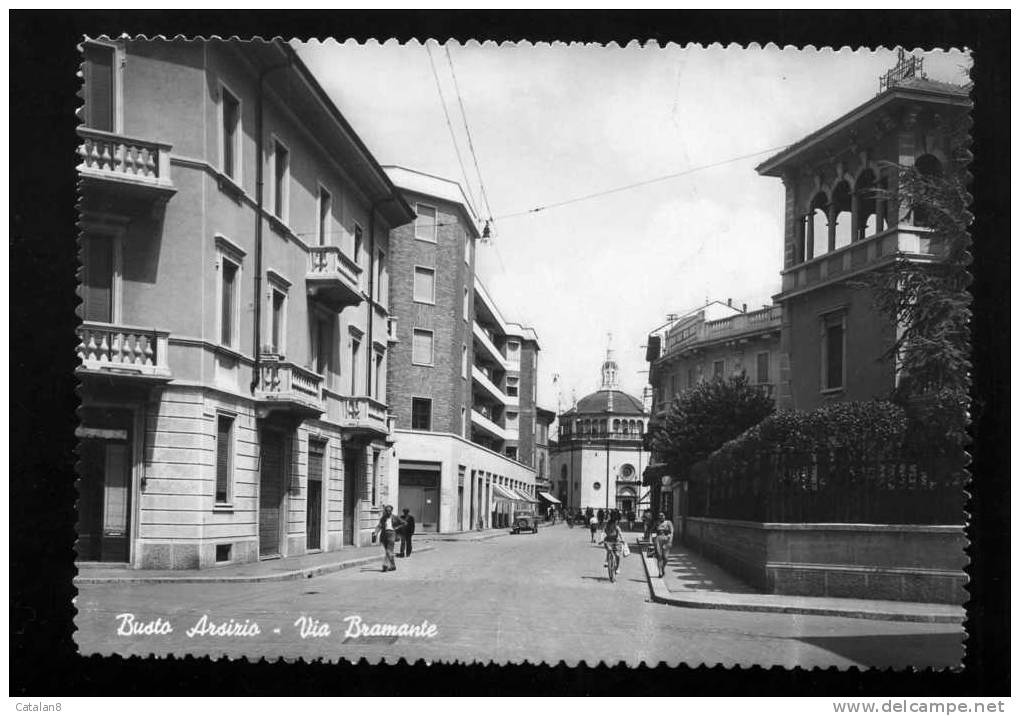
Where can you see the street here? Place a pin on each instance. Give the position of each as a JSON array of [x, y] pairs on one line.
[[535, 598]]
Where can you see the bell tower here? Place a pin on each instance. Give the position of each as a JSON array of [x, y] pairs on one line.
[[609, 367]]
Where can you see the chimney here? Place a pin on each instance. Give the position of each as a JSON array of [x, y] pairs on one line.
[[745, 308], [729, 302]]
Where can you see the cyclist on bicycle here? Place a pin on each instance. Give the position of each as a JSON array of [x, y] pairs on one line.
[[613, 540]]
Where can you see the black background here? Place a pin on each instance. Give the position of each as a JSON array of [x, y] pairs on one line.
[[42, 342]]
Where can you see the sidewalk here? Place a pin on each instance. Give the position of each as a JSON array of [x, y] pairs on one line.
[[271, 570], [695, 582]]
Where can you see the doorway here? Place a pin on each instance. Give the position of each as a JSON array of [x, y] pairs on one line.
[[104, 504], [352, 478], [419, 492], [271, 475], [313, 512]]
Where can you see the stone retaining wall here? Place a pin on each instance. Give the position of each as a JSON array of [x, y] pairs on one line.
[[917, 563]]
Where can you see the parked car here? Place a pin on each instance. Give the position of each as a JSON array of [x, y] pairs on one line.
[[525, 522]]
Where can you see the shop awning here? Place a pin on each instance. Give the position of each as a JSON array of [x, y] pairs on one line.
[[550, 498], [525, 496], [500, 492]]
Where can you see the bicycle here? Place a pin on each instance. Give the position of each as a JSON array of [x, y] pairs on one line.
[[612, 561]]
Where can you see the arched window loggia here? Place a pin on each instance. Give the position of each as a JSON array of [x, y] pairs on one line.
[[868, 219], [929, 167], [840, 232], [816, 241]]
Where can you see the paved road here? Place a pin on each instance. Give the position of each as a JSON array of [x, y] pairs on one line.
[[535, 598]]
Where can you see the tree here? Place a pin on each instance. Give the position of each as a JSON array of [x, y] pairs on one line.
[[702, 419], [929, 301]]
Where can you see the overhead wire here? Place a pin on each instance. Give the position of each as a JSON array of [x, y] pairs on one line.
[[635, 185], [449, 124], [467, 130]]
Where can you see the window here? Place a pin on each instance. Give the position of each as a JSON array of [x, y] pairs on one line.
[[229, 286], [424, 284], [322, 338], [355, 352], [380, 277], [325, 213], [690, 377], [511, 420], [277, 330], [463, 423], [463, 362], [466, 313], [358, 238], [512, 386], [467, 248], [511, 452], [98, 70], [421, 349], [513, 352], [425, 224], [98, 278], [763, 367], [674, 381], [421, 414], [281, 179], [375, 477], [224, 458], [833, 346], [718, 369], [379, 375], [230, 108]]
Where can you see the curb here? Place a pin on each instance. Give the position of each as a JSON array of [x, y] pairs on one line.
[[305, 573], [662, 595]]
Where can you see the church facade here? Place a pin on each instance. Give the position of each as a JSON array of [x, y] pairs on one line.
[[599, 455]]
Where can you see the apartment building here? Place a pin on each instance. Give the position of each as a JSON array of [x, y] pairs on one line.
[[842, 223], [235, 241], [717, 340], [462, 380]]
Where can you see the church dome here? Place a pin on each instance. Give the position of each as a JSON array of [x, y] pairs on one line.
[[609, 401]]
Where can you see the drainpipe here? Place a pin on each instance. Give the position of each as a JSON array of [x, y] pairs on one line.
[[256, 375]]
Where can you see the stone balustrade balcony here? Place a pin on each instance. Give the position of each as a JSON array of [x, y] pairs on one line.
[[898, 242], [286, 388], [362, 414], [124, 351], [333, 279], [116, 165]]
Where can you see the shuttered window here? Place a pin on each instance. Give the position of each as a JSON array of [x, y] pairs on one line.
[[98, 69], [421, 349], [97, 288], [763, 367], [224, 461], [277, 317], [424, 284], [281, 176], [425, 223]]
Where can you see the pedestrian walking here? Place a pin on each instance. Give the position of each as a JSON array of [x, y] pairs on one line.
[[663, 541], [387, 527], [602, 517], [593, 525], [407, 532], [646, 519]]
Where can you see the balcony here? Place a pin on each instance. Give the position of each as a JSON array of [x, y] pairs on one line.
[[123, 352], [113, 166], [486, 426], [489, 388], [365, 416], [486, 348], [288, 390], [333, 278], [764, 320], [900, 242]]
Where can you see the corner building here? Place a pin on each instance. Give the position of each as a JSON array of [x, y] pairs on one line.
[[462, 380], [235, 243], [841, 225]]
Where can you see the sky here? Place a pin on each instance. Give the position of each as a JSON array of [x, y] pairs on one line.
[[550, 123]]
